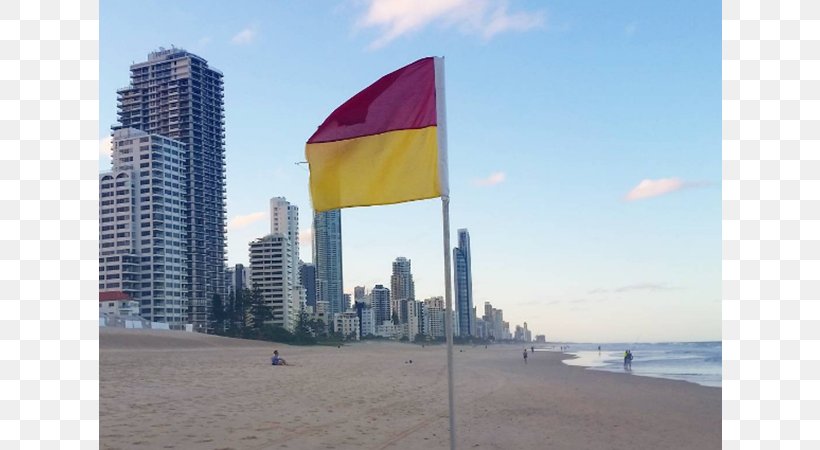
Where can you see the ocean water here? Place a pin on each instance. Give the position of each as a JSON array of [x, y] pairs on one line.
[[696, 362]]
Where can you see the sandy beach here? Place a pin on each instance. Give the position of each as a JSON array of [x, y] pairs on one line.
[[177, 390]]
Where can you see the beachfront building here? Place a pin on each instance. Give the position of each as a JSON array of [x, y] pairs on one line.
[[388, 329], [142, 214], [367, 321], [412, 325], [519, 333], [381, 303], [463, 286], [402, 288], [241, 278], [307, 279], [347, 323], [271, 273], [359, 293], [176, 94], [498, 324], [434, 309], [320, 312], [284, 220], [327, 256], [527, 333], [481, 329], [115, 303]]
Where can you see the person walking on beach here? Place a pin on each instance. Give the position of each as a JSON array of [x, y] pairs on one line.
[[629, 359], [525, 356], [626, 359], [532, 349]]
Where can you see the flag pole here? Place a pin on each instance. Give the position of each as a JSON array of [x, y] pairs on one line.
[[441, 115], [448, 318]]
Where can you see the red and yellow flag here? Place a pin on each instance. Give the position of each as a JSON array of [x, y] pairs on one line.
[[382, 145]]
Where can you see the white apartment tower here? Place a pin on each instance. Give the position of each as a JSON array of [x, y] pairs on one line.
[[434, 316], [142, 225], [176, 94], [284, 220], [271, 272]]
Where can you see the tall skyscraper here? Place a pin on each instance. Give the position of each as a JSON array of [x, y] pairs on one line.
[[284, 220], [271, 274], [142, 223], [307, 278], [327, 256], [175, 94], [401, 288], [463, 285]]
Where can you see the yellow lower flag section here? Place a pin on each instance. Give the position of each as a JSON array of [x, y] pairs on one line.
[[391, 167]]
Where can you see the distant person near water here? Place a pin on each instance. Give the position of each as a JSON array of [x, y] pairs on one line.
[[628, 360], [525, 356], [532, 349], [276, 360]]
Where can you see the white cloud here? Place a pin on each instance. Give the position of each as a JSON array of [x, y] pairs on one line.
[[246, 36], [306, 236], [492, 180], [485, 18], [238, 222], [653, 188]]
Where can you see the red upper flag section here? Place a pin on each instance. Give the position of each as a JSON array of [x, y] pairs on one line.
[[401, 100]]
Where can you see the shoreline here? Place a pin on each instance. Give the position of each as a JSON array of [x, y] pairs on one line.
[[161, 390]]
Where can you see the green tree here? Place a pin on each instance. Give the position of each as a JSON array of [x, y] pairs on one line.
[[259, 311], [218, 314], [239, 312]]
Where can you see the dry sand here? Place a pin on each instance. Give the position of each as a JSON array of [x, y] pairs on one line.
[[167, 389]]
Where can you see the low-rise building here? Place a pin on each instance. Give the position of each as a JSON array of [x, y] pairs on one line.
[[118, 303], [347, 323]]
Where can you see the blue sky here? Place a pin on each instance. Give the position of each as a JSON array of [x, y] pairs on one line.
[[584, 144]]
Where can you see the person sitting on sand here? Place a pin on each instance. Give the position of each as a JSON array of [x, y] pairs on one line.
[[276, 360]]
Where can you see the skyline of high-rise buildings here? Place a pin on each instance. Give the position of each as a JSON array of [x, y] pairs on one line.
[[163, 210], [175, 94]]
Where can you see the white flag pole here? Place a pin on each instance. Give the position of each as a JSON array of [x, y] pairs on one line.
[[448, 317], [441, 129]]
